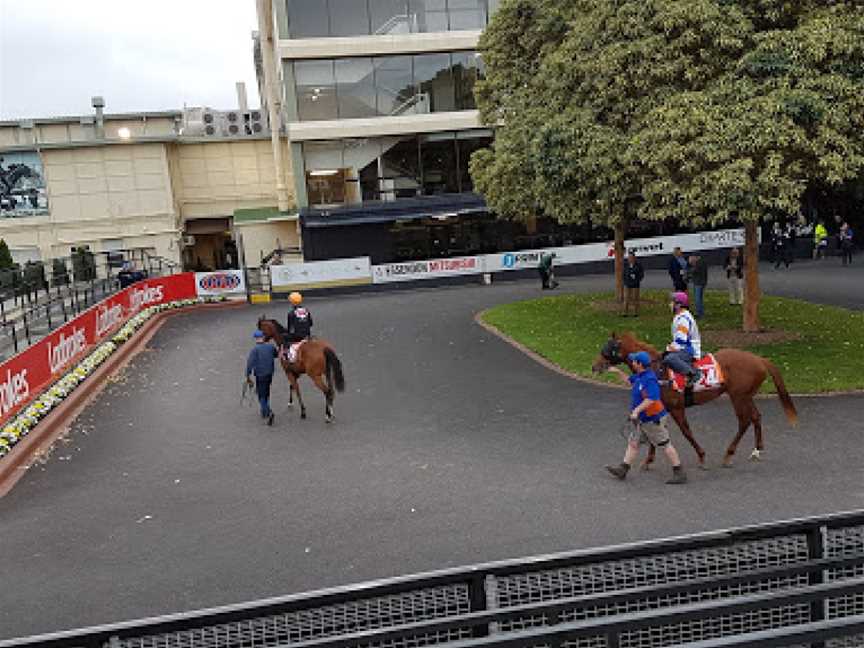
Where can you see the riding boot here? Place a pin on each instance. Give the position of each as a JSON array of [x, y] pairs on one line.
[[620, 471], [678, 476], [693, 377]]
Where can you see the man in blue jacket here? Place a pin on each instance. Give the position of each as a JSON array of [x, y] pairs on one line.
[[260, 363]]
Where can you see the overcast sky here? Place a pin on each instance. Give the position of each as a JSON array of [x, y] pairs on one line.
[[138, 54]]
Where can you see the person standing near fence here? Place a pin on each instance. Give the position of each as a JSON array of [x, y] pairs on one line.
[[734, 266], [820, 240], [633, 275], [547, 274], [677, 269]]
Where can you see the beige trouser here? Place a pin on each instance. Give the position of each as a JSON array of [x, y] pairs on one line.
[[631, 298], [736, 290]]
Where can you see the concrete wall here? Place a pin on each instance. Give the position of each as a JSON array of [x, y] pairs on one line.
[[72, 131], [260, 238], [102, 193], [214, 179]]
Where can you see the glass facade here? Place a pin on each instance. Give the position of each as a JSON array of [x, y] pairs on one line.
[[386, 86], [389, 168], [323, 18]]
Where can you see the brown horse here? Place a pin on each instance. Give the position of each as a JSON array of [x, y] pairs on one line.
[[315, 358], [743, 373]]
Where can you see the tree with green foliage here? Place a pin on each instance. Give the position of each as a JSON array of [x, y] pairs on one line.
[[6, 261], [567, 116], [702, 111], [788, 113]]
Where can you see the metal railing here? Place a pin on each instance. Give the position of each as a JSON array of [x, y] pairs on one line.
[[41, 298], [782, 584]]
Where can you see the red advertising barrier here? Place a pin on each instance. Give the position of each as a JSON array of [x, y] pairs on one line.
[[28, 373]]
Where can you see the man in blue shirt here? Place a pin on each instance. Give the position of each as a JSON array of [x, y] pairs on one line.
[[648, 417], [260, 363]]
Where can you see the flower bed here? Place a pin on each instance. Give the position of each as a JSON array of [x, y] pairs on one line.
[[30, 416]]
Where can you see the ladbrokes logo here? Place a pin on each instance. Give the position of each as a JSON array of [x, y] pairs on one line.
[[108, 318], [143, 297], [219, 282], [67, 348], [13, 391]]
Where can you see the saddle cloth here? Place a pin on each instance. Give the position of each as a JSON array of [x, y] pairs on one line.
[[290, 352], [712, 375]]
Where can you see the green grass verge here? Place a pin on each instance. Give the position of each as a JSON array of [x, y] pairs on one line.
[[827, 353]]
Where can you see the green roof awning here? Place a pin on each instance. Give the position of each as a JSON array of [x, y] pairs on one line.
[[256, 214]]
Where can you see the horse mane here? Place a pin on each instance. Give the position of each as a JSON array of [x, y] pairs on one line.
[[639, 344]]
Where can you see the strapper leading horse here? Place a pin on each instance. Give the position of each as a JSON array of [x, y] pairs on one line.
[[315, 357], [743, 373]]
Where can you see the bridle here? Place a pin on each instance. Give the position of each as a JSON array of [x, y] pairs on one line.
[[611, 352]]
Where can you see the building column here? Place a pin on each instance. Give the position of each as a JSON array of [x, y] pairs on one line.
[[274, 103]]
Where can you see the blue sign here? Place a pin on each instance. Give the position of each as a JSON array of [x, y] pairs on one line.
[[509, 260]]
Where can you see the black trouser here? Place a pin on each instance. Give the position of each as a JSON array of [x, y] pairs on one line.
[[846, 253], [262, 388], [545, 276]]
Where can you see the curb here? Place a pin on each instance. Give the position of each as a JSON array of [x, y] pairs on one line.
[[548, 364], [25, 453]]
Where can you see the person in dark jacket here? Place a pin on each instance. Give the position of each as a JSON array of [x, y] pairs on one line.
[[678, 270], [261, 364], [633, 275], [699, 279], [547, 275]]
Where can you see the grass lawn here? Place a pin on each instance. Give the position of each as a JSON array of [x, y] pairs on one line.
[[818, 348]]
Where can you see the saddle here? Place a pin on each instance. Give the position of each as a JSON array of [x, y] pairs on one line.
[[711, 378], [289, 352]]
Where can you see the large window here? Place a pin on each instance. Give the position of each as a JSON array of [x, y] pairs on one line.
[[317, 18], [390, 168], [386, 86]]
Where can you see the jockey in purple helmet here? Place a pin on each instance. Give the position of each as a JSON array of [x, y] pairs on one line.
[[686, 345]]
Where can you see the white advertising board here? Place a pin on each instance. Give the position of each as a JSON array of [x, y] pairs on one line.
[[429, 269], [222, 282], [320, 274]]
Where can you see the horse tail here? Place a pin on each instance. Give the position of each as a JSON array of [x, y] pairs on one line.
[[334, 370], [785, 398]]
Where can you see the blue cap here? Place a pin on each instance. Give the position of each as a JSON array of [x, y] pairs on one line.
[[258, 335], [641, 357]]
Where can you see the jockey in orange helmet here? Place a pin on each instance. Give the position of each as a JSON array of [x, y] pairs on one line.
[[299, 319]]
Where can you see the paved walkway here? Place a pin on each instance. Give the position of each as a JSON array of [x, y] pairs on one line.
[[451, 447]]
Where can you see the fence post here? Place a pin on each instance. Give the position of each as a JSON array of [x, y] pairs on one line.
[[26, 328], [477, 599], [816, 551], [14, 338]]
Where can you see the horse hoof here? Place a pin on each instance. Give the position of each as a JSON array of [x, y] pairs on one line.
[[702, 466], [756, 455], [727, 463], [302, 415], [329, 419]]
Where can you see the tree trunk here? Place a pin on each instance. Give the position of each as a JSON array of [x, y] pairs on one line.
[[620, 232], [752, 292]]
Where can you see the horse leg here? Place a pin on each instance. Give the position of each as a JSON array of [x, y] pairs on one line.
[[756, 418], [744, 412], [680, 416], [328, 396], [649, 459], [295, 387]]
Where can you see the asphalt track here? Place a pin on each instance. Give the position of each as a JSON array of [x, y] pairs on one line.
[[450, 447]]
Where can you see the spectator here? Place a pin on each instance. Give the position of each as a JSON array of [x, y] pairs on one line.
[[547, 274], [699, 279], [846, 243], [633, 275], [734, 266], [790, 235], [820, 240], [677, 269], [778, 245]]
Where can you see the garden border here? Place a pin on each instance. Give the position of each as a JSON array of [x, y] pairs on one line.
[[548, 364], [26, 452]]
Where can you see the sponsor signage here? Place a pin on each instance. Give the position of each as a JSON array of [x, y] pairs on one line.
[[225, 282], [430, 269], [28, 373], [320, 274]]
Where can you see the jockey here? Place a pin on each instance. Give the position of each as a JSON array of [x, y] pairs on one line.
[[299, 319], [686, 345]]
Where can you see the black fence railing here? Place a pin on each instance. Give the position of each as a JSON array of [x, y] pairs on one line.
[[37, 298], [790, 583]]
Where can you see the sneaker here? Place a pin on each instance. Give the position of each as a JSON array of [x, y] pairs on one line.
[[270, 419], [678, 476], [620, 471]]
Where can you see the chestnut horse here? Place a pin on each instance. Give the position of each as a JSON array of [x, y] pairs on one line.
[[743, 374], [315, 357]]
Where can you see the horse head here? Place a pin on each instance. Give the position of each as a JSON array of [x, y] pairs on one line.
[[610, 354]]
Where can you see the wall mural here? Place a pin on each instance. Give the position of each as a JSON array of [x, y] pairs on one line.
[[22, 185]]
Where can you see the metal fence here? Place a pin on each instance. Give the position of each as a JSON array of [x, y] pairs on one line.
[[798, 583], [37, 298]]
